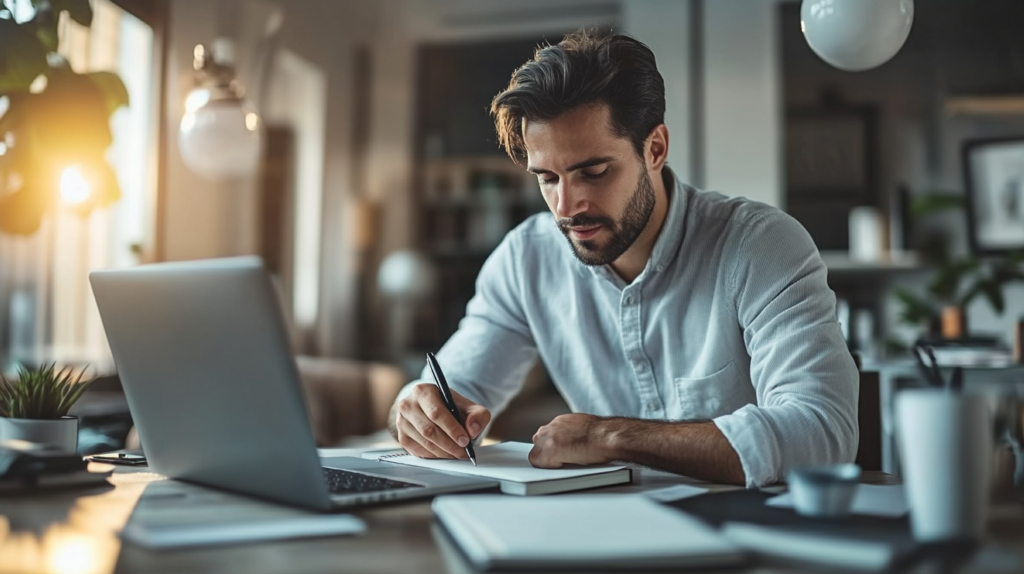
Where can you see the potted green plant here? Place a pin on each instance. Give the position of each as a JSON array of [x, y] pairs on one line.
[[957, 281], [34, 407]]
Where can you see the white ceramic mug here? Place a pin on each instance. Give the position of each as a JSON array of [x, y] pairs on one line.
[[946, 448]]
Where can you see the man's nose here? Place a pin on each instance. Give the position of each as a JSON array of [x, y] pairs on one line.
[[571, 201]]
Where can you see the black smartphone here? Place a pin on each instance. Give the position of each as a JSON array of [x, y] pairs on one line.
[[118, 458]]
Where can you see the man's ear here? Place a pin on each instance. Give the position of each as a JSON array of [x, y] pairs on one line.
[[656, 148]]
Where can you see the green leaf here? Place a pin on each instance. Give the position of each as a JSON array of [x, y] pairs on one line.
[[41, 393], [111, 88], [930, 203], [48, 37], [969, 295], [896, 347], [993, 291], [107, 189], [22, 56], [948, 278], [79, 10], [21, 212], [1006, 271], [69, 120], [915, 310], [67, 124], [45, 21]]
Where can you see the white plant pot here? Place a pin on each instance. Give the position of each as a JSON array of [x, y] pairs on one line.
[[62, 432]]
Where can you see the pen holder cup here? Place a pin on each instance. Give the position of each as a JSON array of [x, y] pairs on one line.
[[946, 448]]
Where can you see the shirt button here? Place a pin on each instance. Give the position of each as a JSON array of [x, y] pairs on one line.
[[640, 367], [652, 406], [628, 300], [661, 268]]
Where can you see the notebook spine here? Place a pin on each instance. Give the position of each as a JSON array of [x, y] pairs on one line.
[[392, 455]]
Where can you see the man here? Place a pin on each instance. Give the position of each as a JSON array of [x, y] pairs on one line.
[[687, 331]]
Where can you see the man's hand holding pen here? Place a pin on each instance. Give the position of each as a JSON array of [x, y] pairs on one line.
[[440, 423], [421, 423]]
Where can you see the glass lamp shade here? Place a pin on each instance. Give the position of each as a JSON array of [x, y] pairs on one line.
[[219, 138], [407, 276], [856, 35]]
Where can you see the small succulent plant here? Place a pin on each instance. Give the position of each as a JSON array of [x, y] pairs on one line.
[[43, 393]]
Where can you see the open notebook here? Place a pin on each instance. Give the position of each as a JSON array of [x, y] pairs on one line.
[[508, 462]]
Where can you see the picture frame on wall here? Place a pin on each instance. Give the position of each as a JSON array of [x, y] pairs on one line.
[[994, 182]]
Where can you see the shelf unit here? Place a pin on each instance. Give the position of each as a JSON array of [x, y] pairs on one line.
[[470, 203], [467, 193], [891, 262]]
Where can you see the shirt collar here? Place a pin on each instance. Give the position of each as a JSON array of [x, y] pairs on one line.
[[674, 227]]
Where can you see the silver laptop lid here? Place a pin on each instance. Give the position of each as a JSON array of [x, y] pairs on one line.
[[202, 352]]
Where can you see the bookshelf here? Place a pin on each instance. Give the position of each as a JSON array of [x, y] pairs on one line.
[[467, 193], [468, 205], [471, 203]]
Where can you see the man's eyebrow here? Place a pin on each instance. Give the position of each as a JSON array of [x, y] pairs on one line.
[[581, 165]]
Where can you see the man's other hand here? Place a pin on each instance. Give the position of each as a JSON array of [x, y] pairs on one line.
[[424, 427], [570, 439]]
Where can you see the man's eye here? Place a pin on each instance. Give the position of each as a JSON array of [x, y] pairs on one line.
[[596, 175], [549, 180]]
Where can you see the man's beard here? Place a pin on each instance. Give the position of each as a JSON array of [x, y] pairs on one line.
[[624, 232]]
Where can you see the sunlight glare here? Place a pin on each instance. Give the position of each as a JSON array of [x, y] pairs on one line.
[[74, 189], [73, 554]]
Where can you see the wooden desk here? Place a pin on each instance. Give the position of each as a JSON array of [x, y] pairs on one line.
[[74, 532]]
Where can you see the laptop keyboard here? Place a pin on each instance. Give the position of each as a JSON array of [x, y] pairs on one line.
[[344, 481]]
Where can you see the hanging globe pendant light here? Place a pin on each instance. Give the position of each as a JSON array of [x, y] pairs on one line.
[[856, 35]]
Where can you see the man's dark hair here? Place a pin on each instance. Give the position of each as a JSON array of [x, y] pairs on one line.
[[586, 68]]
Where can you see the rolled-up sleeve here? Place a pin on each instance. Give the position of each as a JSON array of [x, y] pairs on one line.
[[487, 358], [804, 377]]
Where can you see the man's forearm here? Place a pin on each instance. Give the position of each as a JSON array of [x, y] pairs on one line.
[[696, 449]]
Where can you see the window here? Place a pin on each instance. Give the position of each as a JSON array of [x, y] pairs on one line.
[[48, 312]]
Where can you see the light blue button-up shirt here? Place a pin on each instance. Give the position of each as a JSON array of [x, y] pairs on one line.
[[730, 321]]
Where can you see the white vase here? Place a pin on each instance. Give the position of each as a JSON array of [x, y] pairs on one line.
[[62, 432], [867, 241]]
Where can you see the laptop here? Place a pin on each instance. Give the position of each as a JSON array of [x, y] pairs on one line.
[[207, 368]]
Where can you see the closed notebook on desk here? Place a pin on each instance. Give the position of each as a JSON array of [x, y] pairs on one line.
[[509, 463], [597, 531]]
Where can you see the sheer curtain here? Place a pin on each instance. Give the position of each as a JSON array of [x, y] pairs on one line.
[[46, 305]]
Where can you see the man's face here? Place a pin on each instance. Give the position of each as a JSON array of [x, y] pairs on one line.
[[593, 182]]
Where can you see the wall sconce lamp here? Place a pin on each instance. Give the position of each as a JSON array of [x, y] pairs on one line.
[[220, 133]]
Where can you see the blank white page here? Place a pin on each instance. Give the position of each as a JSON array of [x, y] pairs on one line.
[[504, 461]]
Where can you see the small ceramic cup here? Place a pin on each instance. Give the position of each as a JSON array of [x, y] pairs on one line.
[[823, 491]]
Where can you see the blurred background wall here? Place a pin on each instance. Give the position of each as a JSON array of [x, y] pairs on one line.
[[378, 143], [722, 109]]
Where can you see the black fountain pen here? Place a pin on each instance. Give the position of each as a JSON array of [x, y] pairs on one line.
[[449, 401]]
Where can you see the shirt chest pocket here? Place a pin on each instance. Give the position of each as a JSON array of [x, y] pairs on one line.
[[704, 398]]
